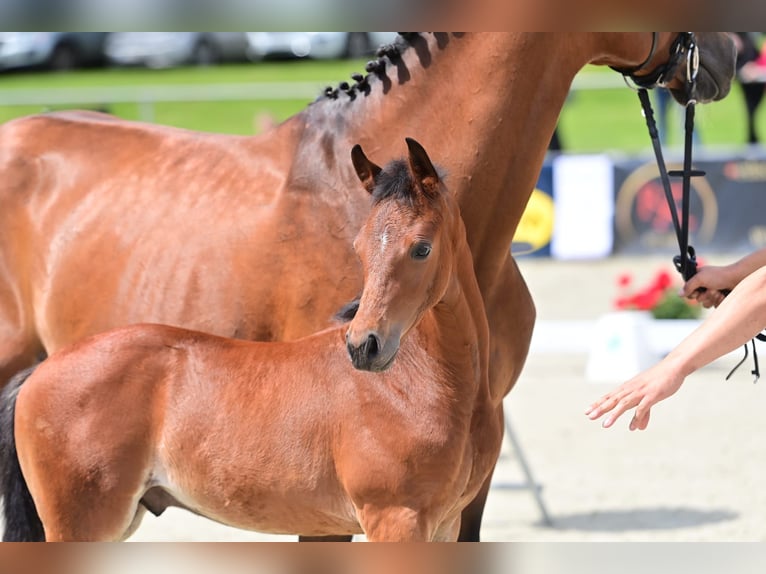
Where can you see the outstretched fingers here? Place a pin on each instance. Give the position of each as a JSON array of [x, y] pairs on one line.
[[640, 418], [614, 404], [642, 392]]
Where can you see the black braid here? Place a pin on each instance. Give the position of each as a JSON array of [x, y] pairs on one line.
[[376, 66], [409, 36], [390, 50], [361, 83]]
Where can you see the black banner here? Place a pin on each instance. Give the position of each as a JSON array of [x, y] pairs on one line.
[[728, 206]]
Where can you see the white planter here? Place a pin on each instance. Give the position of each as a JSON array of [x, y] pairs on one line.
[[664, 334], [624, 343]]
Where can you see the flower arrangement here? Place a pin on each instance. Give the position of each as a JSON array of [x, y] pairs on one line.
[[660, 297]]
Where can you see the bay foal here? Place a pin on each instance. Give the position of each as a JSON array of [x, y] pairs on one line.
[[281, 437]]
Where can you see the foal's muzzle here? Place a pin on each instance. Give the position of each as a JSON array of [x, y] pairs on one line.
[[364, 357]]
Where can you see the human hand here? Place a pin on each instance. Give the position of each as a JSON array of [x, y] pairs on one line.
[[643, 391], [709, 285]]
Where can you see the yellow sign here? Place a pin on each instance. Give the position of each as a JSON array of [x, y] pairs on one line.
[[535, 229]]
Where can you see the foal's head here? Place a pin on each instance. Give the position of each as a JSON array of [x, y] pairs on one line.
[[407, 250]]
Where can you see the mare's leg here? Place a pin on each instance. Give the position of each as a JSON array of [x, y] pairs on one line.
[[511, 313], [393, 524], [470, 525]]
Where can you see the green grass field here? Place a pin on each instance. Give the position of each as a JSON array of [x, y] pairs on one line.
[[591, 121]]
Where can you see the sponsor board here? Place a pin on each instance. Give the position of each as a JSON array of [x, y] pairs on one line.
[[727, 207]]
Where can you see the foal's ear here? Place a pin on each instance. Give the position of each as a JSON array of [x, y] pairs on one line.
[[422, 168], [365, 169]]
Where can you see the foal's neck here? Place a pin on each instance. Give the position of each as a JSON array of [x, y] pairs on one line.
[[461, 319]]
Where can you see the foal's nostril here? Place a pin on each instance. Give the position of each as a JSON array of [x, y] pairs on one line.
[[372, 346], [363, 356]]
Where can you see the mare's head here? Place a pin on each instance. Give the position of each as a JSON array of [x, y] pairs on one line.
[[407, 250], [675, 58]]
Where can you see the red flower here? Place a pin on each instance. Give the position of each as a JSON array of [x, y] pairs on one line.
[[624, 279], [663, 280]]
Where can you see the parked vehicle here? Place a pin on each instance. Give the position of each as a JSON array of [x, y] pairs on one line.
[[53, 50], [167, 49], [331, 45]]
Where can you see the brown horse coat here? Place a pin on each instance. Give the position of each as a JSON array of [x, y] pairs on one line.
[[285, 437], [105, 222]]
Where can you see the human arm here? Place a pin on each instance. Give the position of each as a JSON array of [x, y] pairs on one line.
[[711, 283], [740, 317]]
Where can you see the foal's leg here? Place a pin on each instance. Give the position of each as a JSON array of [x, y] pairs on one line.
[[83, 518], [448, 531], [87, 484], [393, 524]]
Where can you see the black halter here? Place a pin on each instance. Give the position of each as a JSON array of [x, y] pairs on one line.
[[685, 44]]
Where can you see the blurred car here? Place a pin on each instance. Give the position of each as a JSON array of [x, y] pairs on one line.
[[167, 49], [330, 45], [53, 50]]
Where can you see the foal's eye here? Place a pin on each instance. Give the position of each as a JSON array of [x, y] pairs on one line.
[[421, 251]]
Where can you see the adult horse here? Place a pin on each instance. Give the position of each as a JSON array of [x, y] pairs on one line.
[[395, 449], [106, 222]]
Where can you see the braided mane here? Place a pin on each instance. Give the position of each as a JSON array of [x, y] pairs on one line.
[[388, 53]]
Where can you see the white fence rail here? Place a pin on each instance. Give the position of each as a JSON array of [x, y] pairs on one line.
[[146, 96]]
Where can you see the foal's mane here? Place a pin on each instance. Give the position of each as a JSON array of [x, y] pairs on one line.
[[394, 182], [388, 54]]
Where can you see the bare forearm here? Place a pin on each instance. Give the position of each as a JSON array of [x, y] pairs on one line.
[[738, 319], [747, 265]]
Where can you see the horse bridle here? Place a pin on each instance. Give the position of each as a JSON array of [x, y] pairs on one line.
[[684, 45]]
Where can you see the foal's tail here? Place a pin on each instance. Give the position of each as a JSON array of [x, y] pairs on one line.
[[22, 523]]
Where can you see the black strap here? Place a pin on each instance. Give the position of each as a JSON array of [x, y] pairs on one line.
[[686, 262], [756, 371]]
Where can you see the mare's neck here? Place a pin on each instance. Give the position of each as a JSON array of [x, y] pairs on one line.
[[485, 106]]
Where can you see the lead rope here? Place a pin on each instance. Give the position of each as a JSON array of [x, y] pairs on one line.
[[686, 262]]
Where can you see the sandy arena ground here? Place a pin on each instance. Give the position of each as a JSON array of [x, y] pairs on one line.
[[694, 475]]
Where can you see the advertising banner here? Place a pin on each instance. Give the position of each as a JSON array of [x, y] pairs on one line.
[[727, 208], [535, 231]]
